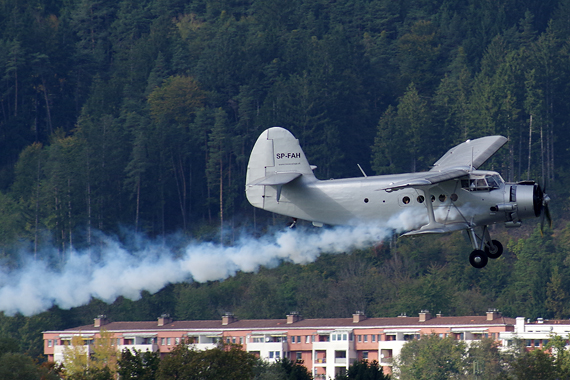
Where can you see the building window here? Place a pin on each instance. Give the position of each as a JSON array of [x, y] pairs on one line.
[[360, 338], [373, 337], [177, 341], [366, 338], [270, 354], [364, 355], [378, 337], [234, 340], [333, 337], [308, 339], [241, 340], [344, 336], [298, 356], [277, 354], [168, 341], [340, 354]]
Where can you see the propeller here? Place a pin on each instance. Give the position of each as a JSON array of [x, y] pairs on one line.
[[543, 200]]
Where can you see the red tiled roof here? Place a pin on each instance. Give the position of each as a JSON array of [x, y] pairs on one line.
[[321, 323]]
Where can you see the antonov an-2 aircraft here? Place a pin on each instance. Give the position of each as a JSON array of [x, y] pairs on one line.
[[452, 196]]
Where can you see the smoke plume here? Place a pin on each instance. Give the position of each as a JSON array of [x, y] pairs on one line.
[[110, 270]]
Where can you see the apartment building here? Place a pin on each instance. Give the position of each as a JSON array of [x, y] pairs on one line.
[[326, 346], [536, 334]]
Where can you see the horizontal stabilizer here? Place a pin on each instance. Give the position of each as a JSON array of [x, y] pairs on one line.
[[275, 179]]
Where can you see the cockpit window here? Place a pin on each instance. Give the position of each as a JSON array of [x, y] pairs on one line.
[[485, 182], [492, 182]]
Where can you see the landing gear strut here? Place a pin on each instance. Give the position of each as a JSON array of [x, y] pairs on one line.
[[293, 224], [484, 247]]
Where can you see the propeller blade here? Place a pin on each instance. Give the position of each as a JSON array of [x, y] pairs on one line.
[[544, 210], [547, 212]]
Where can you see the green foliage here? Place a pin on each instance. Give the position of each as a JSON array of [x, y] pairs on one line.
[[364, 370], [431, 357], [283, 369], [535, 364], [16, 366], [138, 365], [224, 362]]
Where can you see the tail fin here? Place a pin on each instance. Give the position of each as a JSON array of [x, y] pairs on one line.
[[276, 159]]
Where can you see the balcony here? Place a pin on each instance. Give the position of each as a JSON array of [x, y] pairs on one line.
[[267, 346], [386, 361], [205, 346], [320, 360], [339, 360], [139, 347]]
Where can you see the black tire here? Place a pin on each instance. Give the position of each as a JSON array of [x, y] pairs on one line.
[[495, 250], [478, 259]]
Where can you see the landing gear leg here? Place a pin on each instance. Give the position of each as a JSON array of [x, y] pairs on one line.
[[484, 247], [293, 224]]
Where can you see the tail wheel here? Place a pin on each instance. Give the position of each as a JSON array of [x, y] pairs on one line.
[[478, 259], [494, 250]]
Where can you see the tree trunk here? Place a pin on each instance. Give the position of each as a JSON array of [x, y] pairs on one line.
[[529, 147], [221, 202]]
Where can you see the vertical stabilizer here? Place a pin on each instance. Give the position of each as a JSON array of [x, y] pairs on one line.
[[276, 159]]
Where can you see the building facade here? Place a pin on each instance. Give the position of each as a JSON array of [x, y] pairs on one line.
[[326, 346]]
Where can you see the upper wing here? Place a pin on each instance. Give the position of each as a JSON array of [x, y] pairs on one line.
[[471, 153], [428, 178], [457, 162]]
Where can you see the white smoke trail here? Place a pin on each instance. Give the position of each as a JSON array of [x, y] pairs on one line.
[[120, 272]]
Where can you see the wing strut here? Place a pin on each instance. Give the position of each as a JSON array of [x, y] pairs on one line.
[[432, 224]]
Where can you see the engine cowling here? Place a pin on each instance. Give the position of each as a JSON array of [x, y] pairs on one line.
[[526, 200]]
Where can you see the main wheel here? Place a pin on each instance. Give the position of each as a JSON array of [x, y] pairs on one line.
[[495, 250], [478, 258]]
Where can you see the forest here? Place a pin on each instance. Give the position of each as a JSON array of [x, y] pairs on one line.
[[135, 119]]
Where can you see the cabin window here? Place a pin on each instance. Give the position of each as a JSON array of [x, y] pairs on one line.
[[482, 182]]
